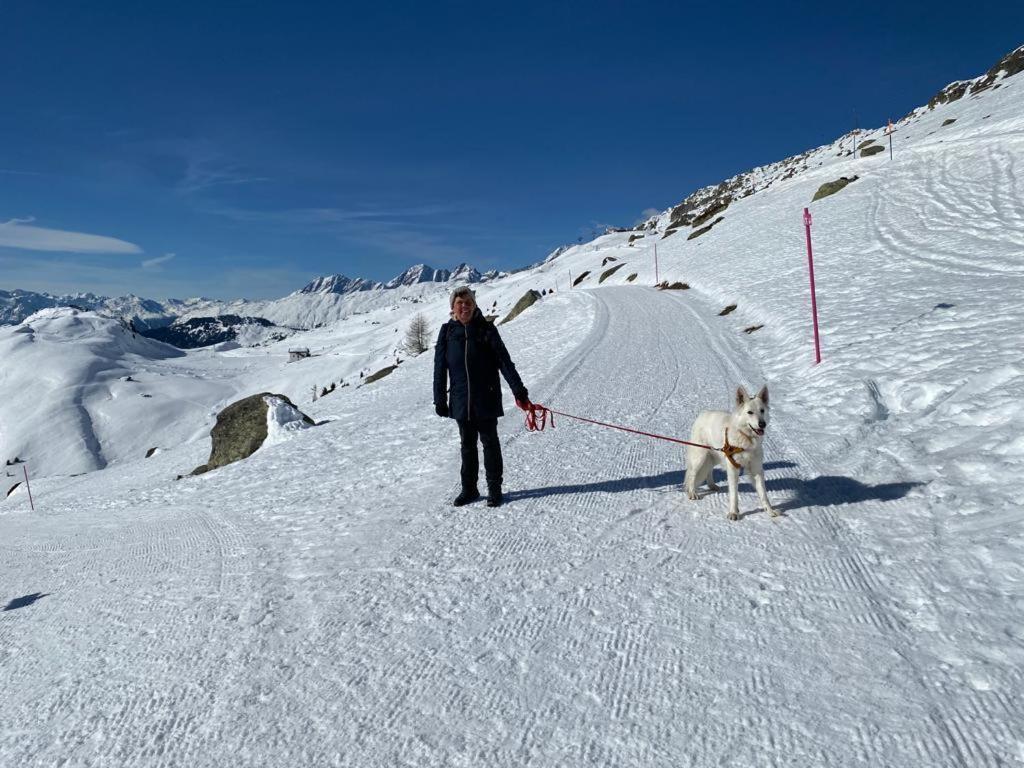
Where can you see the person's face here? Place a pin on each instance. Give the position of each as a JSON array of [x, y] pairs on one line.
[[463, 309]]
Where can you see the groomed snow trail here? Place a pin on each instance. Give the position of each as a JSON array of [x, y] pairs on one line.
[[348, 615]]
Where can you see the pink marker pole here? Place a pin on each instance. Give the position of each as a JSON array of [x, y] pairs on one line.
[[814, 301], [28, 488]]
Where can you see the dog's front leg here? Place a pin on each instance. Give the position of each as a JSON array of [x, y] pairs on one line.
[[757, 473], [763, 493], [733, 476]]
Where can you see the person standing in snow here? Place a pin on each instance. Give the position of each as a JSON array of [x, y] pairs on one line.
[[469, 354]]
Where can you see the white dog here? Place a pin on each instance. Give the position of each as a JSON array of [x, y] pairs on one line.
[[745, 427]]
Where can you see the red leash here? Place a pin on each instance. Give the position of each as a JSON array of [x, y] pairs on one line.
[[535, 423]]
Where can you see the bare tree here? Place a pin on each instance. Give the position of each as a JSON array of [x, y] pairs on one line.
[[417, 336]]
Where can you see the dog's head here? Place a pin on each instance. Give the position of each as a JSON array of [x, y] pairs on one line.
[[752, 412]]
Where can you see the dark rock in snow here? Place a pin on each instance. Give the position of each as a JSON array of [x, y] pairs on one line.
[[378, 375], [704, 230], [831, 187], [609, 272], [240, 430], [528, 299]]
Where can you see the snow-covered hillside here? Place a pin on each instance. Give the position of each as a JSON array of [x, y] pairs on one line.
[[322, 603], [82, 391]]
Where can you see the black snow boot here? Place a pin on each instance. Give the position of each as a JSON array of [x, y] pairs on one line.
[[494, 497], [467, 495]]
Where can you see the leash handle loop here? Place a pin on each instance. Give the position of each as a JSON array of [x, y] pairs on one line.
[[537, 416]]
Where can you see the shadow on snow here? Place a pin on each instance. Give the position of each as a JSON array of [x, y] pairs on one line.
[[829, 490], [26, 600], [622, 484], [822, 491]]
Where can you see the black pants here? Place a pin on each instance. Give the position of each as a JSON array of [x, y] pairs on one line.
[[487, 430]]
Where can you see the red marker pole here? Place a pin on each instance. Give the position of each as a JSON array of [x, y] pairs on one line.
[[814, 302], [656, 280], [28, 488]]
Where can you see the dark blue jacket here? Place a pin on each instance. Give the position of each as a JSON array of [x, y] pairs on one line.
[[470, 356]]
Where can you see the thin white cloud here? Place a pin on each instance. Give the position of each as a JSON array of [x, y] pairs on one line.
[[18, 233], [152, 263], [200, 176], [340, 215], [646, 215], [206, 167]]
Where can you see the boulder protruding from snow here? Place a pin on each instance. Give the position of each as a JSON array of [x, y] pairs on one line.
[[831, 187], [529, 299], [242, 427]]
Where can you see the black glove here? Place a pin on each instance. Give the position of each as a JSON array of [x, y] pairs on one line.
[[441, 409], [523, 399]]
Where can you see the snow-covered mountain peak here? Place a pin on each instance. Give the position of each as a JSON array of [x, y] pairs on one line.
[[466, 273], [338, 284], [420, 273]]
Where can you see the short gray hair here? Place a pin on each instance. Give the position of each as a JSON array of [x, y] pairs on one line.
[[462, 291]]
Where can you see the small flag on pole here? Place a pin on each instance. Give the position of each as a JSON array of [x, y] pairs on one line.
[[890, 129]]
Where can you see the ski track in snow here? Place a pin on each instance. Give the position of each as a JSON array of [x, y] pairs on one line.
[[598, 618]]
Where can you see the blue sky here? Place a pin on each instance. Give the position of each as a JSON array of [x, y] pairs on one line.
[[240, 149]]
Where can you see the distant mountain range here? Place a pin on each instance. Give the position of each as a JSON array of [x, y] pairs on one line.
[[321, 301], [421, 273], [16, 305], [204, 331]]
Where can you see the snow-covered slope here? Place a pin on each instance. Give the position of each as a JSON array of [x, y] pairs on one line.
[[81, 391], [322, 603]]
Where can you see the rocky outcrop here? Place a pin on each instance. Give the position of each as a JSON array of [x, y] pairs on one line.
[[951, 93], [378, 375], [528, 299], [712, 210], [241, 429], [609, 272], [704, 230], [1011, 64], [831, 187]]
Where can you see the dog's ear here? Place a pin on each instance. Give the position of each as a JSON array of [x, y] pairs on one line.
[[763, 394], [741, 396]]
